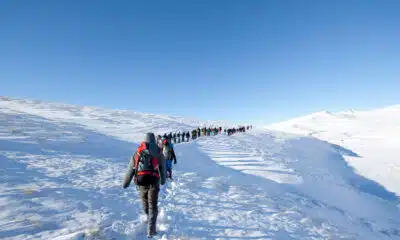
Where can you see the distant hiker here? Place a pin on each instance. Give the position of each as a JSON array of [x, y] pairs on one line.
[[194, 134], [169, 155], [198, 132], [147, 168], [174, 137], [183, 136], [170, 137], [179, 137], [187, 136]]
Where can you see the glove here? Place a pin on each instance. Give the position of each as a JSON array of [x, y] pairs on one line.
[[175, 162]]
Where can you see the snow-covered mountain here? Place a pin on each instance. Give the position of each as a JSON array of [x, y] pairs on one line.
[[373, 135], [62, 168]]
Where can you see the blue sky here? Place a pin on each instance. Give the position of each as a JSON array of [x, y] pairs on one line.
[[244, 61]]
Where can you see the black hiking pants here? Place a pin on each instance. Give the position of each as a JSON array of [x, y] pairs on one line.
[[149, 196]]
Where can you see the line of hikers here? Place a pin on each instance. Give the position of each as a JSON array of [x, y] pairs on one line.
[[151, 165], [179, 137], [232, 131]]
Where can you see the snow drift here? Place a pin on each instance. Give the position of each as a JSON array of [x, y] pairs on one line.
[[372, 134]]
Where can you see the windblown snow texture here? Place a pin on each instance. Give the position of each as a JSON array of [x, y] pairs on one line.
[[62, 168], [373, 135]]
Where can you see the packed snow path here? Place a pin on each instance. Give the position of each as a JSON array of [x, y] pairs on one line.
[[62, 180]]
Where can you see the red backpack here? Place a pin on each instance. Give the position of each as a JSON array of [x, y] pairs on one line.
[[146, 166]]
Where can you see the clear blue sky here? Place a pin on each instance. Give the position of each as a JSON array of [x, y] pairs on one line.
[[255, 61]]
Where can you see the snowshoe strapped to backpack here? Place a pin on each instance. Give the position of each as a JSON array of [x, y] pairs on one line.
[[146, 166]]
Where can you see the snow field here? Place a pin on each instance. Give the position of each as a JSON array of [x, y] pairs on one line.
[[62, 168]]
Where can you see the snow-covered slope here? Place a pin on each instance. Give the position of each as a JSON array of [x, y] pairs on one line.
[[373, 135], [122, 124], [62, 168]]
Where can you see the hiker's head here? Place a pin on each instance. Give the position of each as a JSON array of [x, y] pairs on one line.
[[150, 138]]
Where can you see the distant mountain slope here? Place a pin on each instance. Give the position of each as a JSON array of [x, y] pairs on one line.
[[124, 124], [374, 135], [62, 168]]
